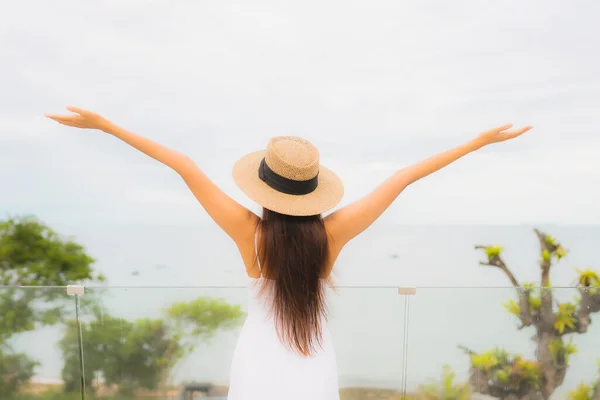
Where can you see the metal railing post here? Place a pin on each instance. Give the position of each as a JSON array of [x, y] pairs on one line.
[[407, 292], [77, 291]]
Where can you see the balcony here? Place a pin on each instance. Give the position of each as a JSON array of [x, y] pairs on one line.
[[392, 343]]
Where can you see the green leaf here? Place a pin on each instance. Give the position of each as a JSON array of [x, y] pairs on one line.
[[484, 361], [512, 307], [582, 392], [493, 251], [535, 303], [564, 317], [588, 278], [502, 376], [446, 388], [560, 252], [546, 256], [550, 241], [561, 352]]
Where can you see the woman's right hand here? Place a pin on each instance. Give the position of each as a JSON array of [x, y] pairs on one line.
[[81, 119], [501, 134]]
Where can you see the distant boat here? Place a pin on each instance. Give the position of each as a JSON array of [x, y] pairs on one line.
[[394, 256]]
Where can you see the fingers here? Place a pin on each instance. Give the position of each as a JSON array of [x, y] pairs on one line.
[[502, 133], [60, 118], [503, 127], [78, 110], [69, 120], [78, 119], [518, 132]]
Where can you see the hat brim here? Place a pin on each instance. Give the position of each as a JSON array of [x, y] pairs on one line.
[[326, 196]]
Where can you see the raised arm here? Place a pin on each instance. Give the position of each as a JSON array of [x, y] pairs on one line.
[[233, 218], [346, 223]]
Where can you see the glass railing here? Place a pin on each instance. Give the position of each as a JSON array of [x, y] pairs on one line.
[[177, 343], [481, 341], [35, 328]]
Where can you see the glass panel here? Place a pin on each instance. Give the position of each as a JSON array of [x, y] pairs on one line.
[[154, 341], [367, 326], [478, 335], [36, 323], [583, 366]]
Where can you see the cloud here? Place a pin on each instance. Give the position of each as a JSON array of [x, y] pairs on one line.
[[25, 128], [376, 88]]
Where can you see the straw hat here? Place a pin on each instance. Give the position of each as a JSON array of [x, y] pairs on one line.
[[287, 178]]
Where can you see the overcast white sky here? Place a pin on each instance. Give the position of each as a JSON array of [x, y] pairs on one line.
[[376, 85]]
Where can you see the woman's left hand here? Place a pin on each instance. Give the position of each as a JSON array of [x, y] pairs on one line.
[[81, 119], [501, 134]]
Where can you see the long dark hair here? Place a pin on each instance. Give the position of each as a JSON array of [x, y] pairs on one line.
[[294, 254]]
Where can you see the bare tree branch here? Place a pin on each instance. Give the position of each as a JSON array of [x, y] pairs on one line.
[[589, 304], [547, 313], [546, 263], [496, 261], [583, 319], [595, 301], [523, 294], [467, 350], [551, 354]]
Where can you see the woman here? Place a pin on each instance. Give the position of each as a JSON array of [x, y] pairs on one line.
[[285, 350]]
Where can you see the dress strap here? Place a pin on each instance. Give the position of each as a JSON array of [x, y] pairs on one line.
[[256, 251]]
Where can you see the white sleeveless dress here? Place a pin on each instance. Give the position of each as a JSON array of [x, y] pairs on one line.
[[265, 369]]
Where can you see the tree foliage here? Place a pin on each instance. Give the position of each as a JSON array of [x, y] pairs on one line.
[[141, 353], [127, 353], [503, 375], [587, 391], [445, 389], [16, 369], [32, 254], [202, 317], [130, 354]]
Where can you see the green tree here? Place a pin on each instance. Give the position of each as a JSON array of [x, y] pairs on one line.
[[32, 254], [129, 354], [201, 318], [16, 369], [141, 353], [504, 375], [445, 389], [587, 391]]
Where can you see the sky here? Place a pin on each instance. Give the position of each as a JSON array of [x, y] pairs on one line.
[[374, 85]]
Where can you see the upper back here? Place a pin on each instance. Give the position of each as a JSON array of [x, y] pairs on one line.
[[250, 250]]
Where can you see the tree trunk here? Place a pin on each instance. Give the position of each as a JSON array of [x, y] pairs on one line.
[[597, 391], [483, 383], [552, 366], [479, 381], [531, 396], [553, 371]]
